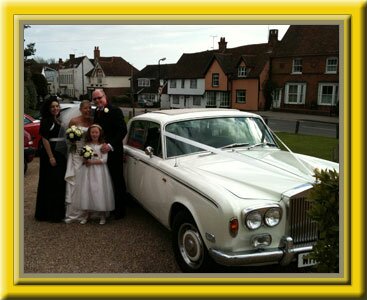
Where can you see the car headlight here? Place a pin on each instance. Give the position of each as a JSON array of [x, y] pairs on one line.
[[268, 214], [272, 216], [253, 220]]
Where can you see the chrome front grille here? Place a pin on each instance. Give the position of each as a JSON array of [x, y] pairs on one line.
[[302, 229]]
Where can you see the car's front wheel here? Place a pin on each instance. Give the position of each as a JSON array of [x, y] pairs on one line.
[[188, 246]]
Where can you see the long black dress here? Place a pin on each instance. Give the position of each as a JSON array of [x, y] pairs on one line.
[[50, 205]]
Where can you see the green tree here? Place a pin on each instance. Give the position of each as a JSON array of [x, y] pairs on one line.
[[29, 50], [41, 85], [30, 93], [324, 211]]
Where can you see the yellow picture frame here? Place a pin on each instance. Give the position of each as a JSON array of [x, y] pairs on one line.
[[349, 14]]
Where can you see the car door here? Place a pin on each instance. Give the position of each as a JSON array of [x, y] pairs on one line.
[[145, 180]]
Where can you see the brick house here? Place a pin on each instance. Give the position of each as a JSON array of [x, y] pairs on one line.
[[147, 87], [236, 77], [225, 77], [304, 70]]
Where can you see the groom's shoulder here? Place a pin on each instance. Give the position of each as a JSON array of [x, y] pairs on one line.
[[115, 109]]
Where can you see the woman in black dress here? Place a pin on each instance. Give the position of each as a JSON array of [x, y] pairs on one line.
[[50, 205]]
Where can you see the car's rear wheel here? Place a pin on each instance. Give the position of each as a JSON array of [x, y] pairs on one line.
[[188, 246]]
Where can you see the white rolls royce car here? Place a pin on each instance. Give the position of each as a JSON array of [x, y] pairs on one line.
[[218, 179]]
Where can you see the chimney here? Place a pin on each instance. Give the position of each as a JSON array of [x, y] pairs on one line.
[[96, 53], [273, 37], [71, 56], [222, 44]]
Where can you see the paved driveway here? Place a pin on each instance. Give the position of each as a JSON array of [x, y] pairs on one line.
[[135, 244]]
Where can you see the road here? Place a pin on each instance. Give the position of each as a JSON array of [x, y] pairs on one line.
[[308, 128], [134, 245], [276, 123]]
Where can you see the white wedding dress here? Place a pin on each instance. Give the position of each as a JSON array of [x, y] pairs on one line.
[[74, 162], [94, 190]]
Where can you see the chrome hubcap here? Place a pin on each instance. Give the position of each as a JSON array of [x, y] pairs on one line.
[[191, 246]]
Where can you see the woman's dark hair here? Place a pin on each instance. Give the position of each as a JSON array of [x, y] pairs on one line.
[[45, 109]]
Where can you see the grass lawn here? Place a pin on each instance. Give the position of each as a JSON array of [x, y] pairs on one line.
[[318, 146]]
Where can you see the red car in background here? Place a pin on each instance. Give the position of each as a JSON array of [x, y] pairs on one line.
[[32, 126], [29, 150]]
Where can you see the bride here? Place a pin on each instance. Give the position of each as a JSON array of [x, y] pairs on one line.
[[81, 118]]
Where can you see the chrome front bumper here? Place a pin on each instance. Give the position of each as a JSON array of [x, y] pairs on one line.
[[282, 255]]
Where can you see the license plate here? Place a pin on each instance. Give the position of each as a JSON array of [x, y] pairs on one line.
[[304, 261]]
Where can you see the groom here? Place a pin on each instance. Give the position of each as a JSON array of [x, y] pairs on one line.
[[111, 119]]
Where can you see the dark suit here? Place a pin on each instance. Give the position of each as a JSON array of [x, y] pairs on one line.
[[114, 127]]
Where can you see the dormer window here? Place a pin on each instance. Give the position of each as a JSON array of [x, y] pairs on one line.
[[331, 65], [297, 66], [99, 76], [215, 80], [142, 82], [243, 71]]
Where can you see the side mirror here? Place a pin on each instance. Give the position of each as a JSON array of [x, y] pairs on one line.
[[149, 151]]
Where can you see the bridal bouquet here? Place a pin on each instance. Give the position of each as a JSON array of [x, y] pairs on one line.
[[86, 152], [74, 134]]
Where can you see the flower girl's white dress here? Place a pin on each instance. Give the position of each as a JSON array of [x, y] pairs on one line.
[[93, 190]]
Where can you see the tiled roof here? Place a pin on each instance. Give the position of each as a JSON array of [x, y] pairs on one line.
[[195, 65], [301, 40], [116, 66], [151, 71], [73, 63]]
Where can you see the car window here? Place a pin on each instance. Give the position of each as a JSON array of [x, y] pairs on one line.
[[217, 133], [143, 134], [26, 121]]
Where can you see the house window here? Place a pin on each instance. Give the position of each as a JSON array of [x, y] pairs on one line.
[[224, 99], [182, 83], [328, 94], [297, 66], [210, 99], [295, 93], [99, 76], [176, 99], [196, 101], [241, 96], [193, 83], [243, 71], [172, 83], [331, 65], [143, 82], [215, 80]]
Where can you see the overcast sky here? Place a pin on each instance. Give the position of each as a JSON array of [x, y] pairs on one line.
[[141, 45]]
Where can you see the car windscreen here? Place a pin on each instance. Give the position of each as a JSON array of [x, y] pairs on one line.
[[223, 132]]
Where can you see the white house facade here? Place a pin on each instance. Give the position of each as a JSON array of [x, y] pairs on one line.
[[72, 79], [186, 93], [52, 77]]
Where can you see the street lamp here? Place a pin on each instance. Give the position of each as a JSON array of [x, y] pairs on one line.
[[159, 79]]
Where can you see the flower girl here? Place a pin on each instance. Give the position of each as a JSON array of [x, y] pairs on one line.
[[94, 184]]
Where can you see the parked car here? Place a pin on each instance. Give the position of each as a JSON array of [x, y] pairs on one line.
[[32, 125], [219, 180], [145, 103], [29, 150]]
